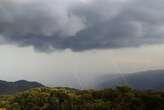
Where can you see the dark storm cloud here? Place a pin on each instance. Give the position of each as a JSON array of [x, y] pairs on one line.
[[95, 24]]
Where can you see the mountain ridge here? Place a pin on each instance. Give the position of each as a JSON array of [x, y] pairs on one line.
[[151, 79], [7, 87]]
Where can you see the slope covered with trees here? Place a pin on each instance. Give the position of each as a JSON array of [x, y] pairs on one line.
[[120, 98]]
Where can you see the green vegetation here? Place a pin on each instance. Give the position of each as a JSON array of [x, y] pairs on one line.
[[121, 98]]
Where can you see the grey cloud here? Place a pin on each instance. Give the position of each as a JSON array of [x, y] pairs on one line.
[[37, 17], [82, 26]]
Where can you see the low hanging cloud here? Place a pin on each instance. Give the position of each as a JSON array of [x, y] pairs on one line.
[[38, 17], [81, 24]]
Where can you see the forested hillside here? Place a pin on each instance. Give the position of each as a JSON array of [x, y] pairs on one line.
[[120, 98]]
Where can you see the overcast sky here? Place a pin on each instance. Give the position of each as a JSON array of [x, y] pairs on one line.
[[70, 42]]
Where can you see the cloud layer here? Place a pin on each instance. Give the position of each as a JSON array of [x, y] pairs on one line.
[[81, 24]]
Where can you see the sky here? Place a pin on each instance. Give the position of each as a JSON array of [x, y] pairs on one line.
[[71, 42]]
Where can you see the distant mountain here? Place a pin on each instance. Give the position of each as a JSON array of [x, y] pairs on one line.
[[18, 86], [153, 79]]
